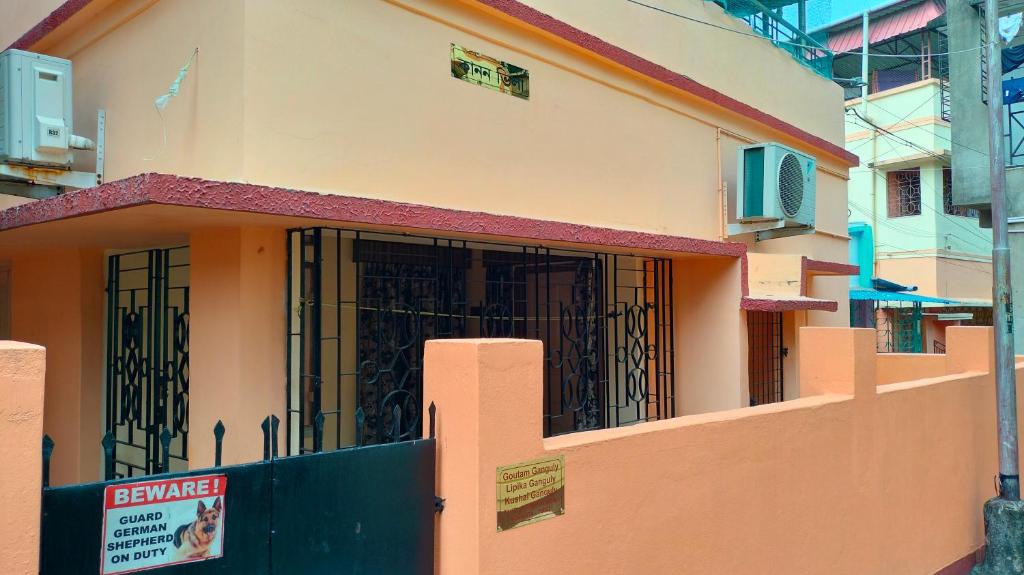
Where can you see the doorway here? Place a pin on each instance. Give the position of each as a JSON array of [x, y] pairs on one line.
[[147, 359], [765, 356]]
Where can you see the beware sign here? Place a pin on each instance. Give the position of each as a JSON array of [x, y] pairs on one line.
[[156, 523]]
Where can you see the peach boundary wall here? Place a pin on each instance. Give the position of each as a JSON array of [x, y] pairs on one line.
[[853, 477], [22, 370]]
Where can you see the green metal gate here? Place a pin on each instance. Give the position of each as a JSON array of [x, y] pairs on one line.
[[359, 510]]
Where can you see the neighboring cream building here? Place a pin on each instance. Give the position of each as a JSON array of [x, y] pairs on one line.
[[325, 193], [902, 188]]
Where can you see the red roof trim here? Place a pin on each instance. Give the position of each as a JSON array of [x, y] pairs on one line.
[[162, 189], [809, 267], [758, 304], [820, 267], [567, 32], [593, 44], [59, 16]]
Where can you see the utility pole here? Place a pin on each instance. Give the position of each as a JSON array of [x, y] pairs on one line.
[[1004, 514]]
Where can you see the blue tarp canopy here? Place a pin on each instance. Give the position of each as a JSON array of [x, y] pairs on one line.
[[876, 295]]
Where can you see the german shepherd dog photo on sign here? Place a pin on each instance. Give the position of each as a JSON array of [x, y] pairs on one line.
[[192, 540]]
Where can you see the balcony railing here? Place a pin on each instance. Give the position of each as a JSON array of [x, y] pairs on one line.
[[771, 24]]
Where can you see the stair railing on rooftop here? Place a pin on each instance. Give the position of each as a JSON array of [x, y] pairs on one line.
[[772, 25]]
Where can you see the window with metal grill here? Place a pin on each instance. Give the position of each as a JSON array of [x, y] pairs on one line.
[[363, 304], [947, 198], [904, 192]]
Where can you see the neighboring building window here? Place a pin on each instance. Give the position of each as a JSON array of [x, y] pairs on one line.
[[904, 188], [947, 198]]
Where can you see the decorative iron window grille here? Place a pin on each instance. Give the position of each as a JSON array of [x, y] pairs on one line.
[[147, 372], [897, 323], [904, 192], [765, 356], [947, 198], [362, 304]]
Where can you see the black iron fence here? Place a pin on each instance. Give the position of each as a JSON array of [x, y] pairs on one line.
[[365, 510], [362, 305]]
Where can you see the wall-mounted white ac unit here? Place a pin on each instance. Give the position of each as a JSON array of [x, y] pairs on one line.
[[775, 191], [36, 122]]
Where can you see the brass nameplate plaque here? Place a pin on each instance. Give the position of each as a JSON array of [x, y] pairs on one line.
[[531, 491]]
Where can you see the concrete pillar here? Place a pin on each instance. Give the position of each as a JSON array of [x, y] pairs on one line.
[[970, 348], [837, 360], [970, 129], [22, 391], [489, 398], [57, 302], [968, 112], [709, 375], [237, 340]]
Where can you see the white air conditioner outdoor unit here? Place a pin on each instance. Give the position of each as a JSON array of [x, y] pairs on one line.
[[36, 122], [775, 191]]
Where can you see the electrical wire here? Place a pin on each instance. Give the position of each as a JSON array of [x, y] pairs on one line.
[[907, 56], [907, 230], [949, 217], [907, 115], [947, 260], [804, 45], [938, 135], [933, 193], [900, 138], [871, 124]]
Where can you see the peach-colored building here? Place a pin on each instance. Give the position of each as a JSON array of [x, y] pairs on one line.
[[317, 201], [340, 189]]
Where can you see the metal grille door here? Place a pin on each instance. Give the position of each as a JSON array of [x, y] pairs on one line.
[[147, 359], [764, 360]]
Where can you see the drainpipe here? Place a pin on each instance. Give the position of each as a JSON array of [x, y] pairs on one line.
[[874, 203], [864, 64], [865, 40], [723, 216]]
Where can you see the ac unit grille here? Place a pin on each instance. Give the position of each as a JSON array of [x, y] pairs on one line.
[[791, 185]]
